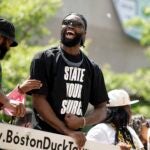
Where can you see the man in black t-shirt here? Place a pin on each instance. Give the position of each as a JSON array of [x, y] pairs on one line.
[[70, 82]]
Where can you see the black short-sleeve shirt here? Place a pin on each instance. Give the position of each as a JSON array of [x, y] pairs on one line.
[[68, 85]]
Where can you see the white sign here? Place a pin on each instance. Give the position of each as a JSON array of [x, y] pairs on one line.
[[20, 138]]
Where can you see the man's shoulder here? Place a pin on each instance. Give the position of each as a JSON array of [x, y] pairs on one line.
[[50, 52], [100, 129]]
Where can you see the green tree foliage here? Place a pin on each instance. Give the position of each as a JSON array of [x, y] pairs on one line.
[[138, 82], [143, 24], [137, 85], [30, 18]]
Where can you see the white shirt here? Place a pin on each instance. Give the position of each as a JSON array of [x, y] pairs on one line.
[[105, 133]]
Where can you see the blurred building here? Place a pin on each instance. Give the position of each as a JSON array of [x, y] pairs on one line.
[[109, 43]]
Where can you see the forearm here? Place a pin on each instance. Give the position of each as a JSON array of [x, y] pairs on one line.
[[48, 115], [97, 115]]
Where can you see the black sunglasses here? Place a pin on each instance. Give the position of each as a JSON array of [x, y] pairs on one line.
[[74, 23]]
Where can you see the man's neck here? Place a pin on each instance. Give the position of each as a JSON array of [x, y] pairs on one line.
[[75, 50]]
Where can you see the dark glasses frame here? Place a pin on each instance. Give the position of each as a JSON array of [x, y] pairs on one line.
[[73, 23]]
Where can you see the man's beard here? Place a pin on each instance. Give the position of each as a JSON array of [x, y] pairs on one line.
[[71, 42], [3, 51]]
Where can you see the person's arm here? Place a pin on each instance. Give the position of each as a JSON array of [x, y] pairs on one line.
[[28, 85], [96, 116], [48, 115]]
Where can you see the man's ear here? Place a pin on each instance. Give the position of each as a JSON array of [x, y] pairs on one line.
[[83, 40]]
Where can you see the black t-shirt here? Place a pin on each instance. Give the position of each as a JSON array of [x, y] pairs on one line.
[[69, 83]]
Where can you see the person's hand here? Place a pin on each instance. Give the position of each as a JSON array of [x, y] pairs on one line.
[[20, 110], [79, 138], [74, 122], [29, 85], [124, 146], [16, 110]]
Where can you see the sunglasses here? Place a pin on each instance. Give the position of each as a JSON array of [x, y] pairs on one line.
[[73, 23]]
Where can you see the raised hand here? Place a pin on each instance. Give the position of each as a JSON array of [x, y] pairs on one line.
[[29, 85]]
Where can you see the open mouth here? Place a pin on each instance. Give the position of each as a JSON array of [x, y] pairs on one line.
[[70, 34]]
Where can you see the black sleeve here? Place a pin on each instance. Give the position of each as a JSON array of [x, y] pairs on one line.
[[98, 92], [38, 71]]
